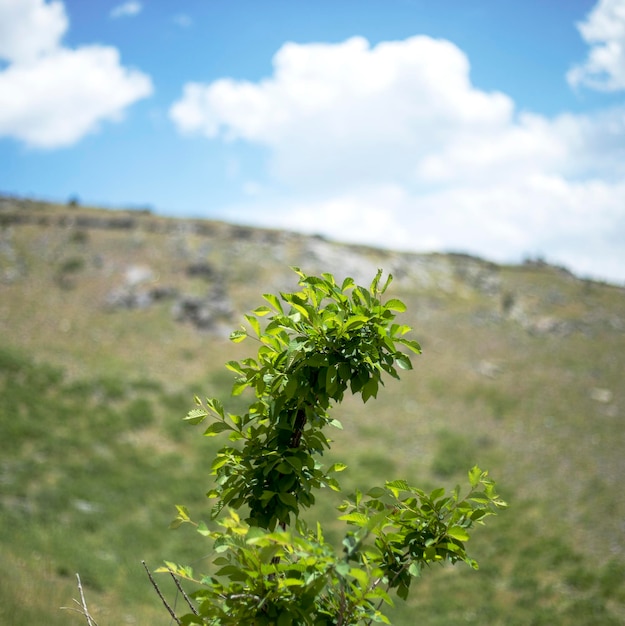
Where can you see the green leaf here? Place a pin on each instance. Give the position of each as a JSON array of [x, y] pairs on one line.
[[342, 569], [396, 305], [403, 361], [402, 591], [410, 344], [360, 576], [183, 512], [235, 366], [196, 416], [253, 322], [333, 484], [273, 301], [370, 389], [360, 519], [414, 570], [457, 532], [330, 381], [288, 499], [376, 281], [216, 405], [337, 467], [295, 463], [389, 280], [355, 321], [239, 386], [284, 468], [261, 310], [254, 533], [348, 283], [474, 476], [215, 428], [398, 485], [437, 493], [237, 336]]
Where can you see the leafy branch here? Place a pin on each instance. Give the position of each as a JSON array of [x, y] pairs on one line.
[[314, 345]]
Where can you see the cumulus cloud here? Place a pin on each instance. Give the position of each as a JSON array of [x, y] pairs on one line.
[[393, 145], [30, 28], [604, 31], [50, 95], [127, 9], [346, 107]]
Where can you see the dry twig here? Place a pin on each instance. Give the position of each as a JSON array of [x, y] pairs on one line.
[[83, 610], [184, 595], [160, 595]]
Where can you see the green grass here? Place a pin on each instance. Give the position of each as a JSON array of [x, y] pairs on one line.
[[88, 486]]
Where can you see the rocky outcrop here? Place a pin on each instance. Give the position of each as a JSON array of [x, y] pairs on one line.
[[208, 258], [132, 298], [207, 312]]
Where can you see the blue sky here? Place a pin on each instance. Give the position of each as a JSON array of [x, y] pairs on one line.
[[491, 127]]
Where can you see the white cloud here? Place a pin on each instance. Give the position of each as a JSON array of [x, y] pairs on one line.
[[580, 225], [30, 28], [384, 105], [50, 95], [393, 145], [604, 31], [66, 94], [127, 9]]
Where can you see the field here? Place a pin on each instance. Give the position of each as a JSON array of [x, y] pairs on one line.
[[111, 321]]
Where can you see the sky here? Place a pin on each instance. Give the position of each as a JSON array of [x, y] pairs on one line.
[[489, 127]]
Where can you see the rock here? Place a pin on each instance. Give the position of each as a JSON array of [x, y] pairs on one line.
[[204, 312], [604, 396], [488, 369], [477, 274], [133, 298], [548, 325], [163, 293], [138, 274], [339, 260], [201, 269]]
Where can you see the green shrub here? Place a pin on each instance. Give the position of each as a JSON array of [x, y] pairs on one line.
[[270, 567]]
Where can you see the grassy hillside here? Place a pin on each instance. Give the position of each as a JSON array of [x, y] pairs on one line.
[[110, 321]]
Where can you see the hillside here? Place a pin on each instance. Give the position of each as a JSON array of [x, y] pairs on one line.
[[110, 321]]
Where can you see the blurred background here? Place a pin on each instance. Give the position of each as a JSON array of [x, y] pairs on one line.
[[162, 166]]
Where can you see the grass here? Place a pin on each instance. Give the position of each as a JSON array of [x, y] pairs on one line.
[[93, 454], [88, 486]]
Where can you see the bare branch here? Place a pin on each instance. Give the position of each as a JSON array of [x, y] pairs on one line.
[[83, 610], [160, 595], [184, 595]]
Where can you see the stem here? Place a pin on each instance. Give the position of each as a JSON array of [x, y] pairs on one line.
[[240, 596], [160, 595], [341, 606], [84, 603], [298, 429], [388, 586], [184, 595]]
